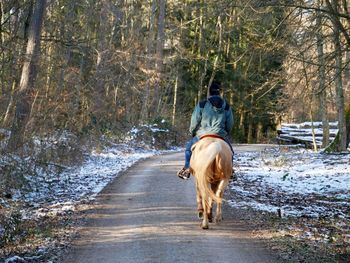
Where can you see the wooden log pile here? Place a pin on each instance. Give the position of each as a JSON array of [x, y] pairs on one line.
[[301, 133]]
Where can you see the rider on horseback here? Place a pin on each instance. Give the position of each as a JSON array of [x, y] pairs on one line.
[[210, 117]]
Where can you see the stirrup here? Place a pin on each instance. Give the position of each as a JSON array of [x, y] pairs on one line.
[[184, 173], [233, 177]]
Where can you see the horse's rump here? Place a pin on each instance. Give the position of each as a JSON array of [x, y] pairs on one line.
[[211, 162]]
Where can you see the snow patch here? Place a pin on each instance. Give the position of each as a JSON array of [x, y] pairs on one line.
[[52, 194], [299, 182], [85, 181]]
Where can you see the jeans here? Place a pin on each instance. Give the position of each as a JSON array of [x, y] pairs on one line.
[[188, 152]]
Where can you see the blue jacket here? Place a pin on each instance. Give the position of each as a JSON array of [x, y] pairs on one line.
[[213, 116]]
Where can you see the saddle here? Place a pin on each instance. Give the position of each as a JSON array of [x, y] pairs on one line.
[[207, 136], [211, 136]]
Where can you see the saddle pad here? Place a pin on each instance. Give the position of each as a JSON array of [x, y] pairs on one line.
[[211, 136]]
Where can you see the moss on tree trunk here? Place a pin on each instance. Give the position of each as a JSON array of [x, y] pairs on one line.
[[334, 145]]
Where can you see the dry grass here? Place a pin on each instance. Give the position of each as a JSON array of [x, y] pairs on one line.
[[41, 239], [308, 240]]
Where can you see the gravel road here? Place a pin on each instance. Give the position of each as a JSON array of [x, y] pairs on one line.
[[149, 215]]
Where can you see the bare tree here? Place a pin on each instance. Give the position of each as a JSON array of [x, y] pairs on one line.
[[145, 105], [26, 91], [159, 52], [322, 77], [338, 82]]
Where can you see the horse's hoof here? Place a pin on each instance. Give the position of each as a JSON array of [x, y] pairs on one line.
[[204, 226], [200, 214], [210, 219], [217, 220]]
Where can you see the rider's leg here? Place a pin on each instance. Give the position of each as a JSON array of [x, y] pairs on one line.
[[184, 173], [233, 176], [229, 144], [188, 151]]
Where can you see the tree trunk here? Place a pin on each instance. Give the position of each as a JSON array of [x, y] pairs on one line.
[[26, 92], [175, 98], [159, 54], [312, 99], [347, 120], [160, 36], [66, 34], [313, 129], [9, 106], [145, 106], [241, 119], [102, 52], [219, 27], [11, 72], [322, 80], [339, 86], [259, 133], [250, 129], [337, 23], [250, 122], [2, 21]]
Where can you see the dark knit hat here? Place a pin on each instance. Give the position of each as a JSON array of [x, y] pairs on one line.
[[215, 88]]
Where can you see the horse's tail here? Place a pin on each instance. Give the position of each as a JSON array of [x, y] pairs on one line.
[[205, 172]]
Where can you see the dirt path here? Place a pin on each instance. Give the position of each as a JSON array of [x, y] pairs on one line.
[[148, 215]]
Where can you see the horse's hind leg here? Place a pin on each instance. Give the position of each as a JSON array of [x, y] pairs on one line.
[[214, 187], [219, 193], [199, 203], [210, 210], [205, 221]]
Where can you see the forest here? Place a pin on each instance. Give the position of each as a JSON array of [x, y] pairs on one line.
[[97, 67], [76, 75]]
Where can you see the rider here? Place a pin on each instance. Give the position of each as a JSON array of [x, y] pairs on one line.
[[211, 116]]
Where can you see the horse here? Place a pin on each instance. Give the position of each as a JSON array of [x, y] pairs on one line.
[[211, 165]]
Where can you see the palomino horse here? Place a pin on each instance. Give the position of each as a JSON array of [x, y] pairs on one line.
[[211, 165]]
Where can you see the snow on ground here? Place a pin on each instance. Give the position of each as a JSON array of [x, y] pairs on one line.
[[88, 179], [57, 189], [297, 181], [52, 194]]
